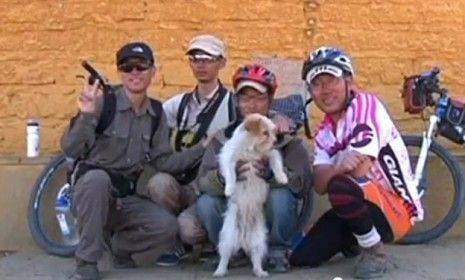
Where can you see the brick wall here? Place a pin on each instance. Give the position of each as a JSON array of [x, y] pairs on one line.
[[41, 43]]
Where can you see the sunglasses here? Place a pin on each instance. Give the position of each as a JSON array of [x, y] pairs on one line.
[[197, 58], [129, 67]]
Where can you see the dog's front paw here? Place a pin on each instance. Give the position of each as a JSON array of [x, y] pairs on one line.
[[228, 190], [219, 272], [281, 178], [260, 273]]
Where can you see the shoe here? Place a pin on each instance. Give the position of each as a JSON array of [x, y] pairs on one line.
[[277, 262], [175, 257], [86, 271], [238, 260], [123, 262], [372, 262], [208, 252], [351, 251], [207, 255]]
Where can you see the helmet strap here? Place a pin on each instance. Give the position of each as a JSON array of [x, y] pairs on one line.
[[349, 96]]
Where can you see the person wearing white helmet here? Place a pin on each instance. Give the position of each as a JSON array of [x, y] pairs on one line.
[[362, 164]]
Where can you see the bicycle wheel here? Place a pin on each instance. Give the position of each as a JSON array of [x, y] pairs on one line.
[[443, 181], [42, 216]]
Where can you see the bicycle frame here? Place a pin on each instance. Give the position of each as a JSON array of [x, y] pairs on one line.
[[430, 83], [426, 143]]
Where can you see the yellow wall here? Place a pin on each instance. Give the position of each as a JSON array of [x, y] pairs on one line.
[[41, 43]]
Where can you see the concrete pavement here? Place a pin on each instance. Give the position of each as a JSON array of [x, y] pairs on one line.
[[443, 259]]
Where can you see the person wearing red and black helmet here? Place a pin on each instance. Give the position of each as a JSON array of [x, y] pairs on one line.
[[254, 87], [254, 83], [362, 163]]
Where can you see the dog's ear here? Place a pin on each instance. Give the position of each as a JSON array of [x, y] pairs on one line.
[[253, 124]]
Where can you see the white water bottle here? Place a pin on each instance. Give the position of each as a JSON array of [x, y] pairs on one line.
[[33, 138]]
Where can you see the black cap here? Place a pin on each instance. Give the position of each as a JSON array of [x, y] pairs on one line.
[[134, 49]]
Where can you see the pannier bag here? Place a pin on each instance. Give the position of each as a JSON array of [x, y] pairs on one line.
[[452, 125], [414, 95]]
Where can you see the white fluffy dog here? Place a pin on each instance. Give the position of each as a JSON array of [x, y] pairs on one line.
[[244, 223]]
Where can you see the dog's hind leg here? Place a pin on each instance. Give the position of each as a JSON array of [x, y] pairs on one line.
[[258, 250], [228, 244]]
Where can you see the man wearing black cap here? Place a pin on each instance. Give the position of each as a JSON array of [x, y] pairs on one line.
[[115, 158]]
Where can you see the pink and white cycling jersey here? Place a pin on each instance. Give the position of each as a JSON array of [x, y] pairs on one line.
[[368, 129]]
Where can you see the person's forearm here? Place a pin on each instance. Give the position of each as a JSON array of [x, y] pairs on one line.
[[324, 173], [362, 169]]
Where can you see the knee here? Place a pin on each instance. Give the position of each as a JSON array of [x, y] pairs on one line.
[[209, 206], [342, 188], [162, 186], [282, 204], [93, 181], [190, 229], [279, 196]]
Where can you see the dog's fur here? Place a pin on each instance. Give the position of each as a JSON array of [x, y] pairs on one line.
[[244, 222]]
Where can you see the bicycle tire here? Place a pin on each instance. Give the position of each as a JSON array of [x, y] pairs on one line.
[[34, 220], [459, 186]]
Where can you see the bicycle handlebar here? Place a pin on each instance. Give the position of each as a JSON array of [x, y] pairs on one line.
[[428, 83], [430, 75]]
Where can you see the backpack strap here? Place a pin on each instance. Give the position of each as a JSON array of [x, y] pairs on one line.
[[182, 108], [108, 112], [231, 108], [206, 116], [155, 123]]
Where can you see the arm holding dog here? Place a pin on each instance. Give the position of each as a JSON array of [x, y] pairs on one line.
[[210, 178], [296, 168]]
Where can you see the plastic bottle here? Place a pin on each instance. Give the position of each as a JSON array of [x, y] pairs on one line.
[[33, 138]]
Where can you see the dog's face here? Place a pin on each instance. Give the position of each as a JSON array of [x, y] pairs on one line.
[[261, 131]]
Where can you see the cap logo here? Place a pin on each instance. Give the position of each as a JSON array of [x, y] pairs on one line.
[[138, 49]]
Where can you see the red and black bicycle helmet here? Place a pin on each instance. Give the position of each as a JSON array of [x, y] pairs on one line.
[[255, 73]]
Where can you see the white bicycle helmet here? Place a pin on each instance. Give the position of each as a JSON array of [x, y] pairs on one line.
[[329, 60]]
